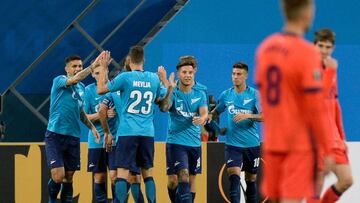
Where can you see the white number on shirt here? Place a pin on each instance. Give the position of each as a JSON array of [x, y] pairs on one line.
[[148, 96]]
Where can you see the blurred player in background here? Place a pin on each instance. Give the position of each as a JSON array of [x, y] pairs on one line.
[[324, 40], [295, 118]]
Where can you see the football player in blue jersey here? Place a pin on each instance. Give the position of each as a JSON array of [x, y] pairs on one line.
[[172, 177], [139, 91], [242, 145], [98, 159], [188, 112], [101, 109], [62, 138]]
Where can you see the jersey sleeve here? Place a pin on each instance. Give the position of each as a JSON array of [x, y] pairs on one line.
[[338, 120], [60, 81], [220, 106], [108, 100], [87, 98], [313, 101], [118, 83], [203, 100], [257, 103], [310, 70]]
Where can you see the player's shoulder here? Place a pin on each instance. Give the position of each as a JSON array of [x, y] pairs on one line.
[[252, 91], [285, 40], [268, 41], [227, 92], [151, 74], [90, 87], [59, 77], [153, 77], [198, 91], [200, 86]]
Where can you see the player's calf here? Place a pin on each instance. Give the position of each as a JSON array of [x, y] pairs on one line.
[[135, 180], [67, 187], [183, 194], [172, 185], [345, 180], [100, 187], [251, 188]]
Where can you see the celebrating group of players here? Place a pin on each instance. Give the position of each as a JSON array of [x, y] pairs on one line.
[[303, 133]]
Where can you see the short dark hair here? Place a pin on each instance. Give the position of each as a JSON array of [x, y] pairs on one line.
[[72, 58], [324, 34], [241, 65], [292, 8], [185, 62], [189, 58], [136, 54]]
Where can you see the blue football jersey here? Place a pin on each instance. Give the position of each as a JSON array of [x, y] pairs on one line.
[[139, 89], [92, 102], [244, 133], [184, 107], [65, 104], [203, 88]]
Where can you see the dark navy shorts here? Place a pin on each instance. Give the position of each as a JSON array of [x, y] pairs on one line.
[[62, 151], [135, 151], [99, 160], [248, 159], [182, 157]]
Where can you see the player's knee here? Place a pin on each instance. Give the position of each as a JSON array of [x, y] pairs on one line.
[[57, 178], [100, 177], [112, 177], [146, 172], [183, 175], [346, 182], [172, 181], [68, 176], [134, 178], [250, 177], [137, 178], [234, 170]]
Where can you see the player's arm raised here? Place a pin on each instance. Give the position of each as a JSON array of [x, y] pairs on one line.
[[84, 73], [166, 102], [89, 124], [104, 62]]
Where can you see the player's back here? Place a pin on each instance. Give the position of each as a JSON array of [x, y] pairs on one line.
[[138, 93], [288, 67]]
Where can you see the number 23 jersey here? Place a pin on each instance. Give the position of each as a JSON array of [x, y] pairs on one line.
[[139, 89]]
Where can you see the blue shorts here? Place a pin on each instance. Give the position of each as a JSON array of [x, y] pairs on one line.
[[62, 151], [247, 159], [135, 150], [182, 157], [99, 160]]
